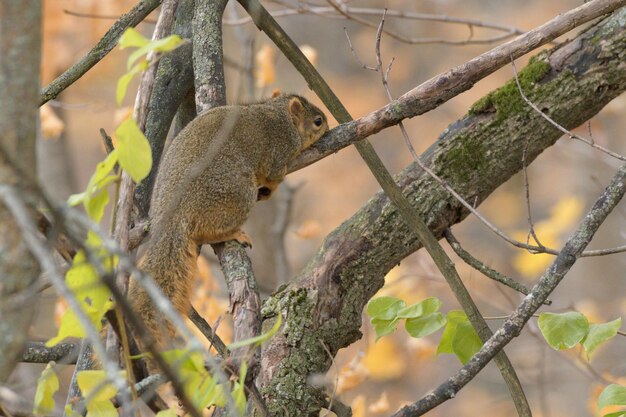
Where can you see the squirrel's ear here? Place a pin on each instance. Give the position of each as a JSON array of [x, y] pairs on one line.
[[296, 110], [275, 93]]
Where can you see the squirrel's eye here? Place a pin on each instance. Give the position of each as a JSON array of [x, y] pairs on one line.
[[318, 121]]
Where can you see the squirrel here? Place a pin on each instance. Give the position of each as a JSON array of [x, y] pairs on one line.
[[217, 167]]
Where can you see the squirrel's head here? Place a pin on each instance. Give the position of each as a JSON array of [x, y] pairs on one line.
[[309, 120]]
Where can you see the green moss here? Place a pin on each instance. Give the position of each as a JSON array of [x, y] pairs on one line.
[[507, 99], [465, 160]]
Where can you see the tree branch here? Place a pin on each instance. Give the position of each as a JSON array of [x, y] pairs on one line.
[[20, 43]]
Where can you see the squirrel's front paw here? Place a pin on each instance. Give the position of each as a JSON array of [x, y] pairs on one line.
[[241, 237]]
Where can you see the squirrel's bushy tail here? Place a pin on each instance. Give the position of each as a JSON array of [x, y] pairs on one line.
[[170, 260]]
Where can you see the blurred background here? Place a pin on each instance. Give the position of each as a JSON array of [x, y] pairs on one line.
[[375, 378]]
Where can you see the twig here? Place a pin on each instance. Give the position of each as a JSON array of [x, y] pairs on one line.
[[547, 283], [350, 12], [63, 353], [102, 48], [531, 225], [484, 269], [100, 16], [569, 133]]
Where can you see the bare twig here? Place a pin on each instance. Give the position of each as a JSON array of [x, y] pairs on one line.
[[347, 12], [484, 269], [531, 231]]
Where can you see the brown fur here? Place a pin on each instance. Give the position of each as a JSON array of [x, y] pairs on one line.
[[209, 178]]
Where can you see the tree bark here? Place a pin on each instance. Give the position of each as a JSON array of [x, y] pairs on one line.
[[474, 155], [20, 43]]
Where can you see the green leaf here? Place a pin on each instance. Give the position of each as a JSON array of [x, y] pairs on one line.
[[454, 317], [47, 386], [425, 325], [238, 393], [96, 204], [384, 308], [132, 38], [103, 169], [616, 414], [135, 156], [72, 327], [95, 386], [466, 341], [76, 199], [167, 413], [161, 45], [384, 327], [186, 362], [600, 333], [563, 331], [612, 395], [101, 409], [124, 81], [258, 340], [423, 308]]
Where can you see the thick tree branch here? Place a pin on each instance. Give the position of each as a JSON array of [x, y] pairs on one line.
[[208, 57], [20, 43], [102, 48], [37, 352], [443, 87], [474, 155], [174, 79]]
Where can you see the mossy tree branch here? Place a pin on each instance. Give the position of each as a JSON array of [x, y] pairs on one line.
[[474, 155]]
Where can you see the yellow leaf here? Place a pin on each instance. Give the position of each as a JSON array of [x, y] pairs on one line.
[[309, 229], [358, 406], [310, 53], [567, 212], [384, 360], [132, 38], [47, 386], [550, 231], [135, 155], [351, 375], [265, 72], [381, 405], [101, 409], [51, 125], [94, 384]]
